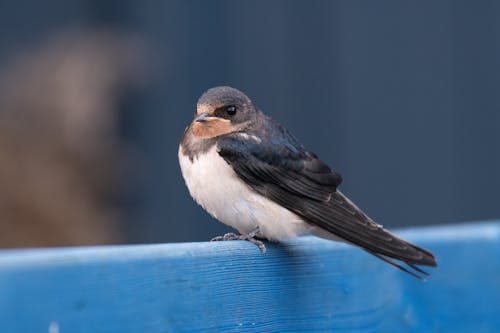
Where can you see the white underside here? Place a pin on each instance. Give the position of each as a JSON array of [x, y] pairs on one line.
[[215, 186]]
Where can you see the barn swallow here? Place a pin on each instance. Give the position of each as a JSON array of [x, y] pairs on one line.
[[252, 174]]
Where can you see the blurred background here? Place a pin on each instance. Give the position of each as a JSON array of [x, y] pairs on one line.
[[401, 97]]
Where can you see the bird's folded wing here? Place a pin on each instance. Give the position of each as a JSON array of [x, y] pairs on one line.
[[300, 182]]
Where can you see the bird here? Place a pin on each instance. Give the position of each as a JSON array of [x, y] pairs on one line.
[[250, 173]]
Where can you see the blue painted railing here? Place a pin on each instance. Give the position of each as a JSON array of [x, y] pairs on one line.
[[307, 284]]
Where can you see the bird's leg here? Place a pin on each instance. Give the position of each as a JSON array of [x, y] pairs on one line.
[[250, 237]]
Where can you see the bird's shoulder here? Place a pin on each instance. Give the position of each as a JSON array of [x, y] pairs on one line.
[[268, 151]]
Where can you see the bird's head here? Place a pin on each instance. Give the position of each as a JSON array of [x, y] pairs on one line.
[[220, 111]]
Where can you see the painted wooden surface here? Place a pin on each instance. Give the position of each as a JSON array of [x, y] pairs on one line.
[[305, 285]]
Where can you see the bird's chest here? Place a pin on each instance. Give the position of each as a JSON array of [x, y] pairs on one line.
[[215, 186]]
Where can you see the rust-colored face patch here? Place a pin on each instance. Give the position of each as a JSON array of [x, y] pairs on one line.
[[212, 127]]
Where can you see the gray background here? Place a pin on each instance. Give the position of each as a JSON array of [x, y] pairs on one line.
[[401, 97]]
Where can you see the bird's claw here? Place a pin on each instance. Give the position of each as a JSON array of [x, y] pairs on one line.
[[250, 237], [260, 244]]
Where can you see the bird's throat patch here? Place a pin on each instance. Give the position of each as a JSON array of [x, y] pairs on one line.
[[212, 127]]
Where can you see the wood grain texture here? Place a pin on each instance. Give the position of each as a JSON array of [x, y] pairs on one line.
[[306, 285]]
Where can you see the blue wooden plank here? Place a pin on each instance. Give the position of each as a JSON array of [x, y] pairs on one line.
[[306, 284]]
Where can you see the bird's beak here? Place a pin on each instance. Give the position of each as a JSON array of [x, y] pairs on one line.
[[202, 118]]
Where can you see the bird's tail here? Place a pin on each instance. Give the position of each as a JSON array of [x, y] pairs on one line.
[[427, 259], [400, 260]]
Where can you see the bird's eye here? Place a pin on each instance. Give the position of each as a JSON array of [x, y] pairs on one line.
[[231, 110]]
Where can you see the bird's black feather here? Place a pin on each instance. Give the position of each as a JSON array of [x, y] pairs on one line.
[[281, 169]]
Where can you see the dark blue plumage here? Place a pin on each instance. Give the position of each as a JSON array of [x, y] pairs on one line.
[[281, 169]]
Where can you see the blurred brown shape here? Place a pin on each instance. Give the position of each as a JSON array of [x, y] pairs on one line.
[[60, 155]]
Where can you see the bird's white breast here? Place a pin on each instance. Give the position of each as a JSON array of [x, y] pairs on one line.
[[216, 187]]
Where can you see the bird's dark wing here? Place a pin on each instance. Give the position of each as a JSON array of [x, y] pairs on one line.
[[282, 170]]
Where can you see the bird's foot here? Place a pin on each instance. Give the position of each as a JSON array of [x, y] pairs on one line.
[[227, 237], [250, 237]]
